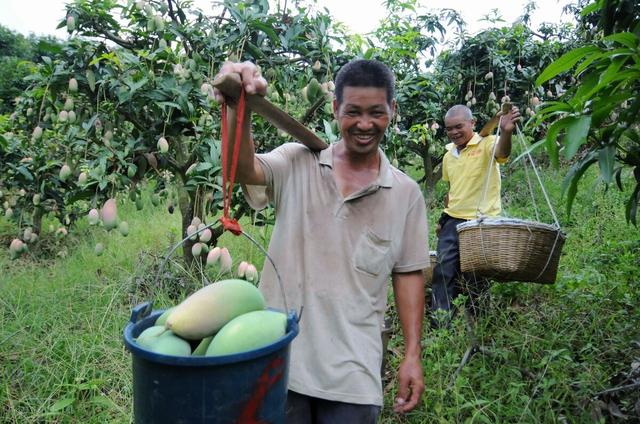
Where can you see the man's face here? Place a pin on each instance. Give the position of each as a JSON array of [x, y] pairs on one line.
[[363, 116], [459, 129]]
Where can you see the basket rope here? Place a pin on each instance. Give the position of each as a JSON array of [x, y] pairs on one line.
[[485, 189]]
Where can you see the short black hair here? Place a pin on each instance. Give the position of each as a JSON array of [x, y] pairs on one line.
[[365, 73]]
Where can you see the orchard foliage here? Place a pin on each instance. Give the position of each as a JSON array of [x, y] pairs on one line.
[[127, 99], [130, 99], [599, 115]]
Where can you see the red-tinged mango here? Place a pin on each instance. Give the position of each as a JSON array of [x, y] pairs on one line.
[[93, 217], [214, 256], [225, 260], [110, 214], [205, 235], [242, 269], [82, 178], [16, 248], [65, 172], [251, 274]]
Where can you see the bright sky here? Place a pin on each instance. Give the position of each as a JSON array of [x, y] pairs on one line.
[[361, 16]]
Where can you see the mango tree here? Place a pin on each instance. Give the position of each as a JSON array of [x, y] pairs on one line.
[[130, 100], [479, 70], [599, 115]]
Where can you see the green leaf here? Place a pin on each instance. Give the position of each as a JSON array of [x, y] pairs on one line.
[[631, 211], [627, 39], [531, 148], [590, 8], [267, 29], [24, 171], [618, 174], [103, 401], [577, 131], [203, 166], [610, 73], [564, 63], [62, 404], [607, 160], [552, 135], [570, 183]]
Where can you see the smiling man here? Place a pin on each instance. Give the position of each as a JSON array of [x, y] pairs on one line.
[[466, 167], [346, 220]]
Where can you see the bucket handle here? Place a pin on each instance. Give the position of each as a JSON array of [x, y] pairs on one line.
[[141, 311], [252, 240]]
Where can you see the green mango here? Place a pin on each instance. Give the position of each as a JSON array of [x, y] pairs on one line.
[[170, 344], [201, 350], [163, 317], [149, 335], [247, 332]]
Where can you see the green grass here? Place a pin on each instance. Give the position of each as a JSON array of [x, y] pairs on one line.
[[551, 349]]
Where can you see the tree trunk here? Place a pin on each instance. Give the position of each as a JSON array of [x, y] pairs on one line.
[[38, 213]]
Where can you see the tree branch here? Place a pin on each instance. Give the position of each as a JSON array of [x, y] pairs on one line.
[[312, 110]]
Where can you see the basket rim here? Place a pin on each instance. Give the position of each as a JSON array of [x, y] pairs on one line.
[[512, 222]]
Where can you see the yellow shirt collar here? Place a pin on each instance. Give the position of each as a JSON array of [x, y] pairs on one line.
[[474, 140]]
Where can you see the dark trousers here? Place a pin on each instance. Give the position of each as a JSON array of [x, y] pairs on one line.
[[302, 409], [448, 281]]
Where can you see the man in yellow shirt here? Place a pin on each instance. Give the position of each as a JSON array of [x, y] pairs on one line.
[[465, 167]]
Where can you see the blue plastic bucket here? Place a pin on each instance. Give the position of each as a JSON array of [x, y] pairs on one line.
[[243, 388]]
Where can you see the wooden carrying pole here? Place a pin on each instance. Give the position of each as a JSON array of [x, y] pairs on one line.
[[229, 85]]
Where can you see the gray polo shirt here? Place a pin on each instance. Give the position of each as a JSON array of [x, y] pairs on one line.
[[335, 256]]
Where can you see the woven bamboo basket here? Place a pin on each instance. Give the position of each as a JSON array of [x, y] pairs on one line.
[[506, 249], [428, 272]]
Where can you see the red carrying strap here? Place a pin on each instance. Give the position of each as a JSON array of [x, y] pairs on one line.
[[229, 223]]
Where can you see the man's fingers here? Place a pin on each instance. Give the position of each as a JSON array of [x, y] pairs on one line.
[[412, 402]]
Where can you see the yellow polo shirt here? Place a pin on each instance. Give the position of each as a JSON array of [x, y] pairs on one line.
[[466, 173]]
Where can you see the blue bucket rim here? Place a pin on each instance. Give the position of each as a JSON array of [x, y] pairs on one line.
[[199, 361]]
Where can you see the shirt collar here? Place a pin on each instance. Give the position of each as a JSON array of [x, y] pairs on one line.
[[385, 176], [474, 140]]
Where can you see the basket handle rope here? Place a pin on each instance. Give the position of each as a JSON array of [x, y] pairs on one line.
[[485, 189], [520, 137]]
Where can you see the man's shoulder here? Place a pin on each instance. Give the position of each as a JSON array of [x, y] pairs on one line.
[[293, 148], [290, 151], [404, 181]]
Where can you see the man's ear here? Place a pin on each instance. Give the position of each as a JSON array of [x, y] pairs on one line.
[[393, 107], [335, 107]]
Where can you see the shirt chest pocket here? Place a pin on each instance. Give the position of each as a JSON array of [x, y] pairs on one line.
[[372, 254]]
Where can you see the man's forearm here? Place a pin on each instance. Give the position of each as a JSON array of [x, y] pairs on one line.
[[503, 149], [409, 295]]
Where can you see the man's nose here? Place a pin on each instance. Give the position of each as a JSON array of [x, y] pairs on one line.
[[365, 123]]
